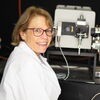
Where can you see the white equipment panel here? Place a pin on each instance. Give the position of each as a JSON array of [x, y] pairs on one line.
[[71, 14]]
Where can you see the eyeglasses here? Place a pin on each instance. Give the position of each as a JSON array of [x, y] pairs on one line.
[[39, 31]]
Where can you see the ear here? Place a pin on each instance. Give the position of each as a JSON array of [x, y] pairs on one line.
[[22, 35]]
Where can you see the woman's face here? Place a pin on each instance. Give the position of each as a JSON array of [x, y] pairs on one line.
[[37, 44]]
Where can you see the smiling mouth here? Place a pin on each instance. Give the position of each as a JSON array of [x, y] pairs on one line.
[[42, 44]]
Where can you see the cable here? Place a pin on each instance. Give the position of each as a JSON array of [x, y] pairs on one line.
[[19, 7], [95, 95], [64, 59], [61, 76]]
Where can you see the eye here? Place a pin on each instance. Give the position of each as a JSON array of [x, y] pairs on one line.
[[37, 30], [49, 30]]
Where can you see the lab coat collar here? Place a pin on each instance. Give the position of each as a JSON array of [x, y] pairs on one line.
[[27, 49]]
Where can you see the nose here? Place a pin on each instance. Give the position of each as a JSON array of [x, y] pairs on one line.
[[44, 34]]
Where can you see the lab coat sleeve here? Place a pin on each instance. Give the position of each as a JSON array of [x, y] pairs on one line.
[[6, 93], [26, 84]]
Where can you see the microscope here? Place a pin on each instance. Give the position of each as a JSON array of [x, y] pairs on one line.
[[73, 24], [95, 33]]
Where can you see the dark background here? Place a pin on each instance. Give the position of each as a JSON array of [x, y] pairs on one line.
[[10, 10]]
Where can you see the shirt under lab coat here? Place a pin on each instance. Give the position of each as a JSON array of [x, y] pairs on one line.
[[28, 77]]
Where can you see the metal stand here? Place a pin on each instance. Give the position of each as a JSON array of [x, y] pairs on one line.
[[92, 54]]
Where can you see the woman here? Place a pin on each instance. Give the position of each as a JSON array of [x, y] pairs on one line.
[[27, 75]]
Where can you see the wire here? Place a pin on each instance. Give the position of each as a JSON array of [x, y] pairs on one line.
[[19, 7], [3, 58], [95, 95], [61, 75], [64, 59]]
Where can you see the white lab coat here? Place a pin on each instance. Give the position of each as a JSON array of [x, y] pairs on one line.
[[26, 77]]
